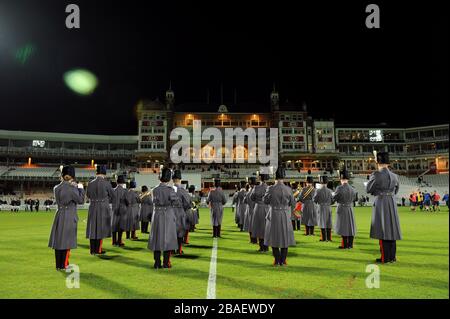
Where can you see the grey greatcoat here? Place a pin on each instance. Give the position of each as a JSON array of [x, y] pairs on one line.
[[240, 206], [163, 232], [121, 194], [279, 232], [309, 212], [324, 198], [248, 216], [64, 230], [118, 208], [181, 206], [195, 214], [146, 208], [385, 221], [132, 201], [216, 199], [345, 219], [260, 211], [100, 194]]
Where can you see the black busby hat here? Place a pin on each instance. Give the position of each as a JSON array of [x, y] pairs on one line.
[[68, 170], [323, 179], [166, 175], [132, 184], [176, 174], [191, 188], [121, 179], [344, 174], [243, 183], [383, 158], [309, 179], [113, 184], [280, 173], [216, 182], [251, 180], [101, 169], [144, 189], [264, 177]]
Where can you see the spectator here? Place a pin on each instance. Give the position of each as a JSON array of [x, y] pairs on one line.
[[403, 201], [445, 199]]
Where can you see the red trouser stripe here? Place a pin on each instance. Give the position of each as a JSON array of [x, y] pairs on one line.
[[100, 247], [66, 262], [382, 250]]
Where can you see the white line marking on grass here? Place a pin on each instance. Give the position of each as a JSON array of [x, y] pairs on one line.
[[211, 290]]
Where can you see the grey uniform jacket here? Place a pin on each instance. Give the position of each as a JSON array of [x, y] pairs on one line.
[[146, 208], [64, 230], [279, 232], [100, 194], [121, 194], [345, 219], [309, 213], [260, 211], [216, 199], [385, 221], [132, 201], [324, 198], [182, 206], [163, 233], [248, 216], [119, 208]]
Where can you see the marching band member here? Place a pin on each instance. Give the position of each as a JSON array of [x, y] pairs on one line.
[[296, 217], [181, 206], [309, 214], [345, 220], [63, 236], [146, 209], [195, 199], [216, 199], [115, 224], [385, 226], [100, 194], [279, 233], [189, 221], [249, 209], [163, 233], [324, 198], [132, 201], [260, 212], [241, 206], [120, 195]]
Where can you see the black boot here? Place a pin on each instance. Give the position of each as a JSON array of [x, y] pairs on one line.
[[261, 245], [58, 259], [114, 238], [344, 243], [283, 256], [133, 235], [119, 239], [92, 245], [157, 258], [219, 228], [350, 241], [298, 224], [311, 230], [127, 234], [323, 235], [180, 246], [394, 251], [276, 256], [293, 224], [166, 260], [214, 231], [328, 231]]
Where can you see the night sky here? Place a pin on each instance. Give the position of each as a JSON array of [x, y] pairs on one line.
[[320, 54]]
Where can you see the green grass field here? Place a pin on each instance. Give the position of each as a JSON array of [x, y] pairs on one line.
[[315, 269]]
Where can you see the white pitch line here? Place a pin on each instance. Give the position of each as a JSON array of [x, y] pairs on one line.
[[211, 290]]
